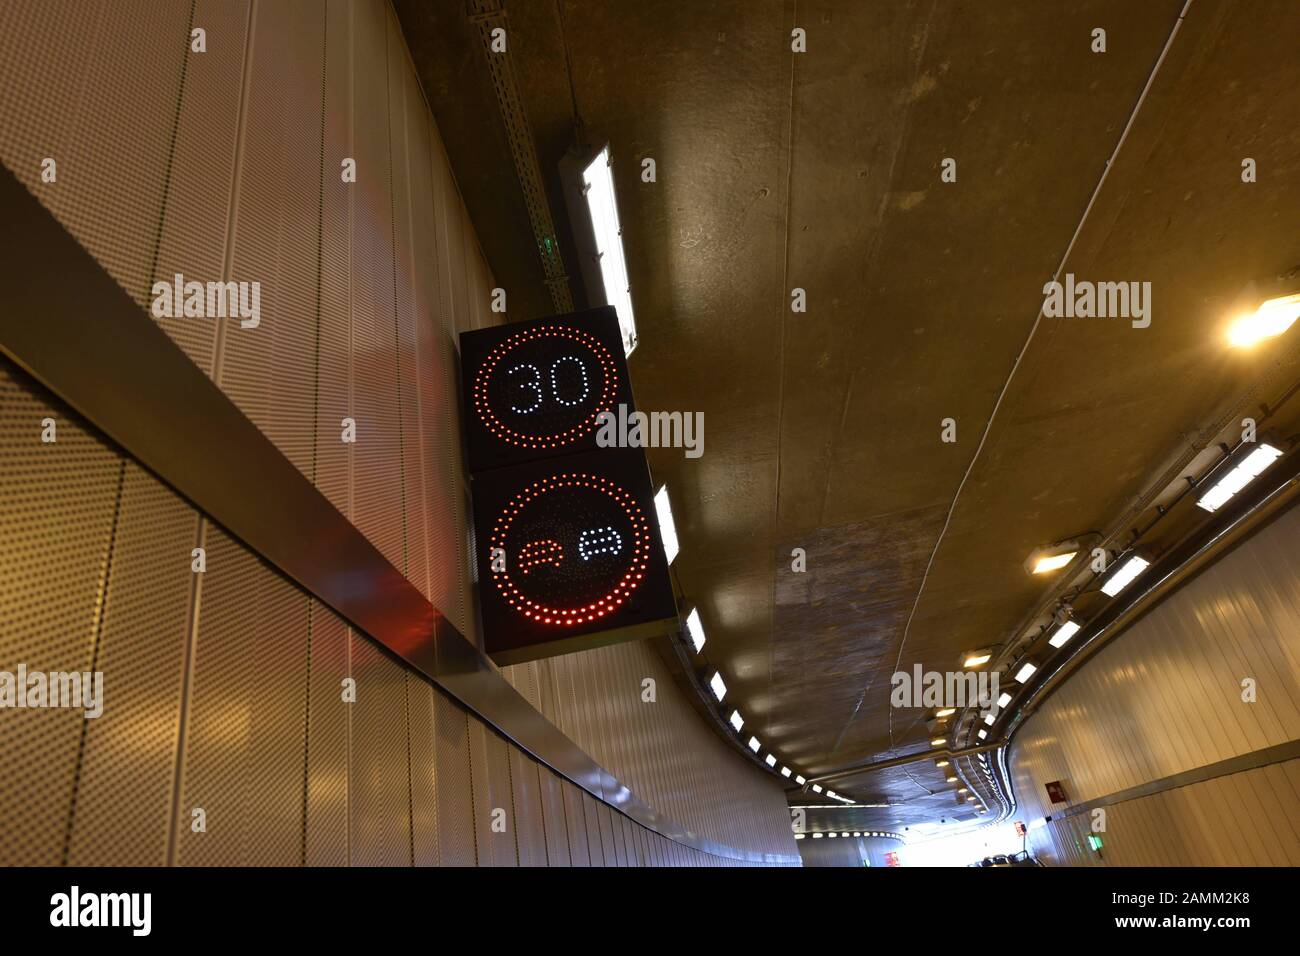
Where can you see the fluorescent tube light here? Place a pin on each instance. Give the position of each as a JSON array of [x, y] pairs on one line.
[[982, 734], [667, 530], [1003, 700], [800, 780], [598, 183], [816, 788], [718, 685], [1063, 634], [754, 745], [693, 625], [1026, 671], [736, 720], [976, 658], [770, 760], [1239, 477], [785, 771], [1124, 575]]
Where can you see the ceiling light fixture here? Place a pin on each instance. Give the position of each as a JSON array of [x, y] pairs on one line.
[[816, 788], [799, 780], [989, 718], [770, 760], [718, 686], [982, 734], [1026, 671], [667, 530], [785, 771], [938, 742], [1003, 700], [1239, 477], [694, 627], [941, 763], [1063, 634], [736, 720], [976, 658], [1271, 319], [1051, 558], [1123, 576], [604, 247], [754, 745], [945, 712]]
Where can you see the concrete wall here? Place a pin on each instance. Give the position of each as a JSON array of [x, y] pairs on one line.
[[223, 689], [1154, 730]]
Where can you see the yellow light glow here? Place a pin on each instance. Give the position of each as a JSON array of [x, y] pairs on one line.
[[938, 742], [1053, 563], [946, 712], [978, 658], [1271, 319]]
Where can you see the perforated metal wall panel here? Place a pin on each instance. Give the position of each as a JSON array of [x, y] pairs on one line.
[[74, 93], [270, 370], [575, 821], [422, 744], [381, 785], [493, 801], [333, 346], [379, 498], [122, 809], [200, 181], [553, 818], [329, 718], [454, 786], [56, 535], [530, 828], [244, 726]]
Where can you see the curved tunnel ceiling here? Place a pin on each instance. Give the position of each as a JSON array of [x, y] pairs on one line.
[[821, 171]]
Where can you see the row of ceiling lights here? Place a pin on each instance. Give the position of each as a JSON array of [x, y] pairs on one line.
[[881, 834], [717, 685], [1238, 469], [1271, 319]]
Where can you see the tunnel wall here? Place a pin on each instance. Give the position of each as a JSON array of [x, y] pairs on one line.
[[225, 737], [1153, 729]]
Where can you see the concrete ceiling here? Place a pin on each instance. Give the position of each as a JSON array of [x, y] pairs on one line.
[[821, 171]]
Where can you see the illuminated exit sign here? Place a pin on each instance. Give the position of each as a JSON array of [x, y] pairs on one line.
[[568, 549]]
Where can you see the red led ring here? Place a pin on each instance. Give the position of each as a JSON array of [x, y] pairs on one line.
[[614, 598]]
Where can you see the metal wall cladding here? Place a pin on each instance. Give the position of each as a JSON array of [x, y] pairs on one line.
[[241, 790], [229, 691], [57, 528], [660, 749], [1166, 697]]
